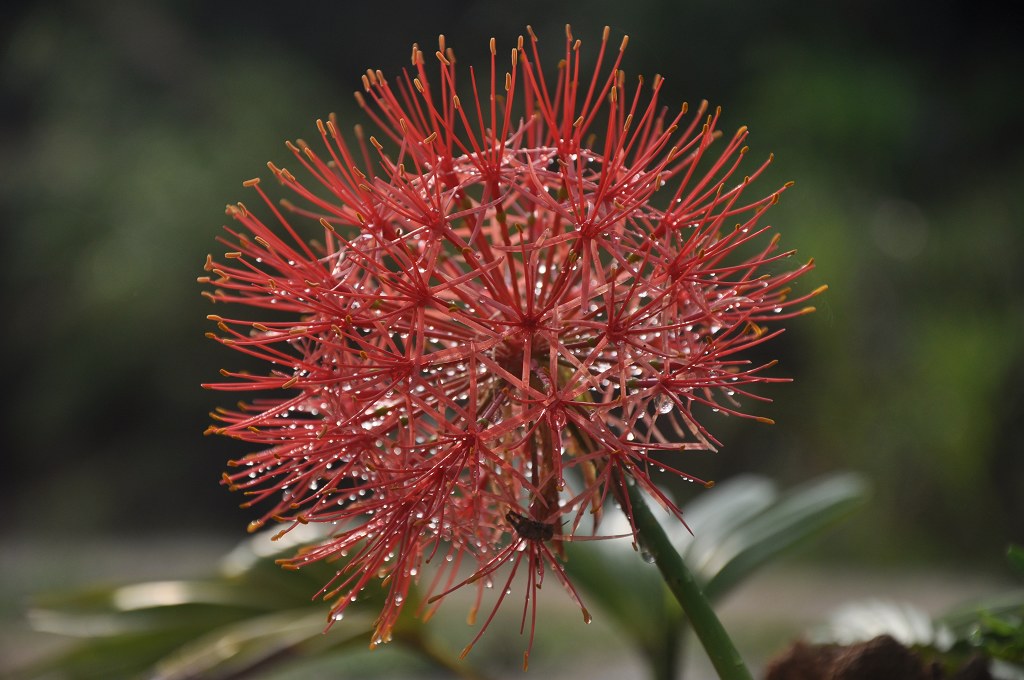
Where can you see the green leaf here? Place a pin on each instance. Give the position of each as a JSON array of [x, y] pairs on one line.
[[236, 650], [963, 620], [737, 527], [715, 515], [125, 657], [252, 616], [794, 518]]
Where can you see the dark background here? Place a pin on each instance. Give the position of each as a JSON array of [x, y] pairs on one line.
[[126, 127]]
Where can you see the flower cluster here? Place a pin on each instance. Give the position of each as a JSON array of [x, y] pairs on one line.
[[487, 319]]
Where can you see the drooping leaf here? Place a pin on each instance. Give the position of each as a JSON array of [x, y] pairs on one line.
[[793, 518], [238, 649], [737, 527]]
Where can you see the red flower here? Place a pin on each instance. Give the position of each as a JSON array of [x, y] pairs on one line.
[[511, 306]]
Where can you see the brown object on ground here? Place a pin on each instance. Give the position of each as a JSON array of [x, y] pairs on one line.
[[882, 658]]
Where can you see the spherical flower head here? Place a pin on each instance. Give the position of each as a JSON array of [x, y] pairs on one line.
[[485, 319]]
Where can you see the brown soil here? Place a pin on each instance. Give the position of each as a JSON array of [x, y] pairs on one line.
[[882, 658]]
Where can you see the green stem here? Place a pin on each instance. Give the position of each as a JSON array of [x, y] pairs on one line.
[[720, 649]]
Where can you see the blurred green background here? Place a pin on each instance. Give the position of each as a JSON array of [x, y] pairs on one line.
[[126, 127]]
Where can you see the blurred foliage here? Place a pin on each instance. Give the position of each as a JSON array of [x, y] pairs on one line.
[[250, 619], [730, 535], [253, 619], [992, 629], [128, 125]]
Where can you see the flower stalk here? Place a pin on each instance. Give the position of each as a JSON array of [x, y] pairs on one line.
[[680, 581]]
